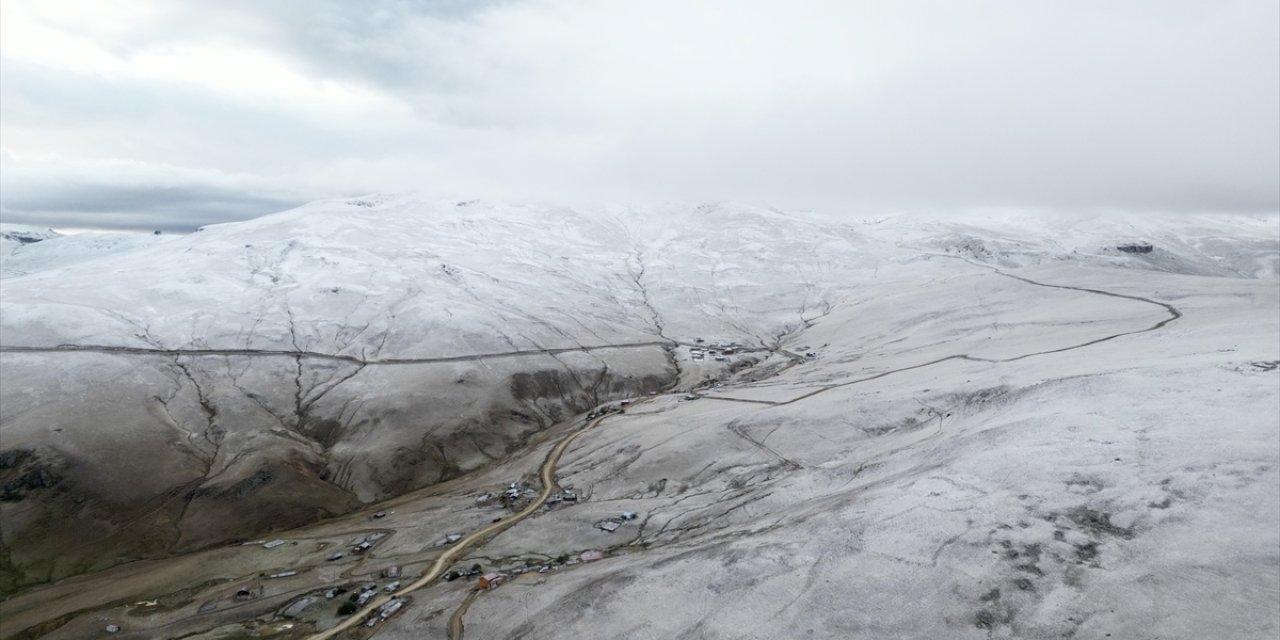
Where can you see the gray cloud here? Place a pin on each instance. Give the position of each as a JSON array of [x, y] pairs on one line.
[[1159, 106], [131, 195]]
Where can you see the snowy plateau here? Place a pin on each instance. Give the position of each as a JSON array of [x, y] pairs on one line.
[[756, 424]]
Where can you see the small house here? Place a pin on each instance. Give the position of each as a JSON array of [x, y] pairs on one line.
[[1135, 247], [390, 608], [489, 581], [295, 610]]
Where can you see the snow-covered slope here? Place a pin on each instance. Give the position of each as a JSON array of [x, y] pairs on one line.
[[25, 250], [12, 235], [16, 236], [265, 374], [1213, 245]]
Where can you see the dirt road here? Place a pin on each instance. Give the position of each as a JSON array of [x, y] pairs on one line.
[[455, 620], [547, 474]]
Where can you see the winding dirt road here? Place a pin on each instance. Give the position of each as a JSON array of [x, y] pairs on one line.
[[547, 474], [455, 620]]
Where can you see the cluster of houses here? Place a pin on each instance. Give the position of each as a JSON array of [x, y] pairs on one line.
[[718, 352], [514, 492], [370, 589], [494, 578], [512, 497], [359, 545], [565, 494], [366, 593], [450, 576], [608, 409], [360, 596]]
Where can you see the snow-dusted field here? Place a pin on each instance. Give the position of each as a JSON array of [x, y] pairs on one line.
[[1009, 427]]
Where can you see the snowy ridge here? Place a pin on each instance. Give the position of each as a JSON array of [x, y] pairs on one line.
[[270, 373], [26, 250]]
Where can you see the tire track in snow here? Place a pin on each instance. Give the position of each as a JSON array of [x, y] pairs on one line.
[[1173, 312]]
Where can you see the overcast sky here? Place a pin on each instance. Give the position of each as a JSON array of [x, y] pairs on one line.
[[152, 114]]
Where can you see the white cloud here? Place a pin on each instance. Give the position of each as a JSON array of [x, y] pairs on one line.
[[893, 105]]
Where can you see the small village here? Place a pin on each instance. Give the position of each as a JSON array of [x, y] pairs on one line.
[[356, 594]]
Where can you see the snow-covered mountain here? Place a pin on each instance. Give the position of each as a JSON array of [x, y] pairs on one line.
[[985, 395], [16, 236], [25, 250]]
